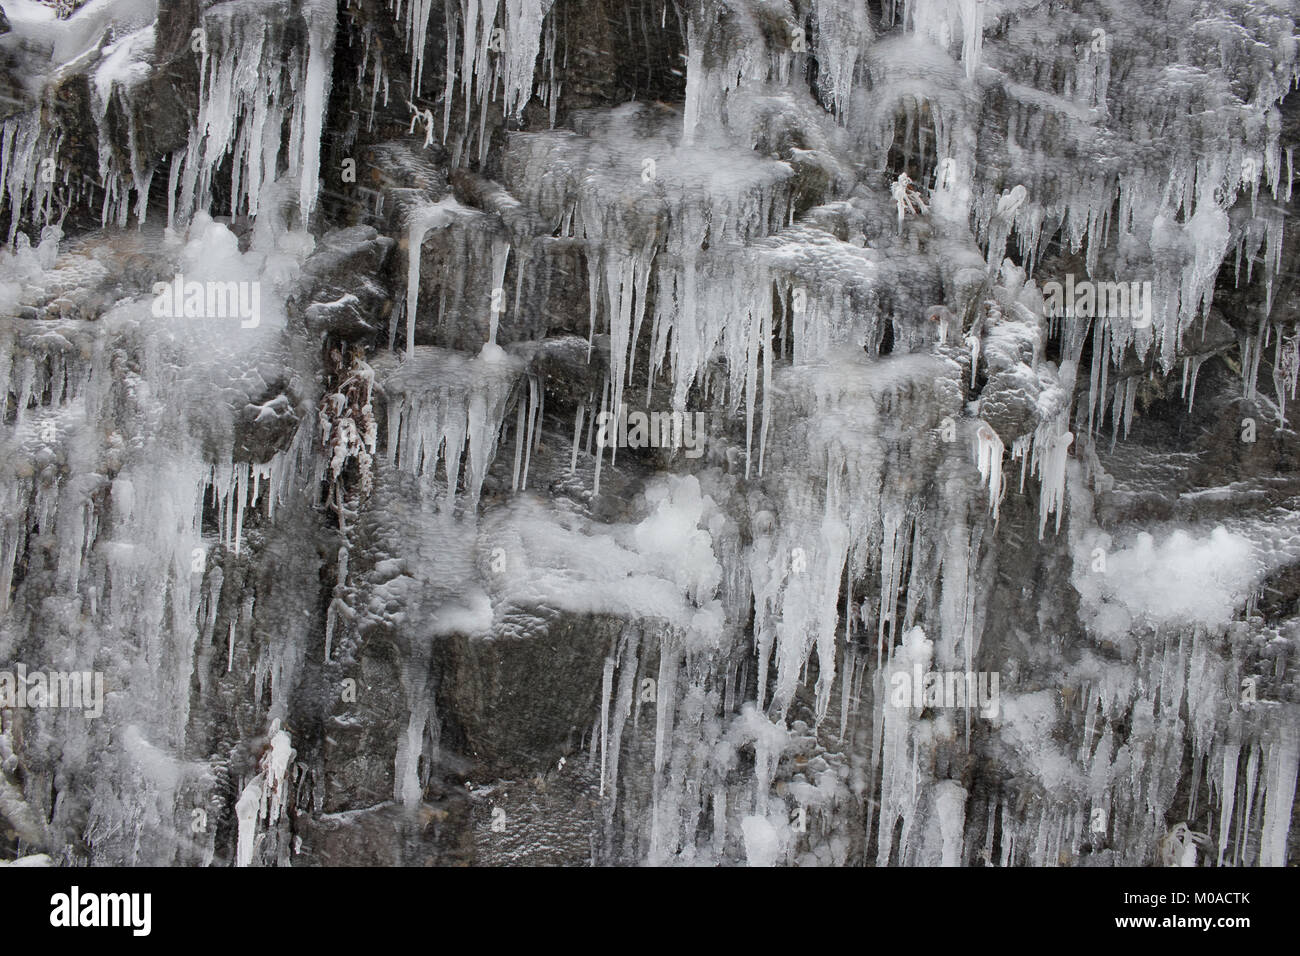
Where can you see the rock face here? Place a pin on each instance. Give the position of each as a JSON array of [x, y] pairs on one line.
[[812, 433]]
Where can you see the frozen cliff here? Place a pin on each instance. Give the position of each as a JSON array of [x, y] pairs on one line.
[[715, 432]]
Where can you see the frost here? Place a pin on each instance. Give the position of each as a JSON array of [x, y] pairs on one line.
[[1184, 579]]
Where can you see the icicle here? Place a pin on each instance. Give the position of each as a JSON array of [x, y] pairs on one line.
[[988, 457], [500, 256], [417, 32], [1228, 789], [519, 442], [843, 32], [533, 425], [606, 689], [666, 692], [337, 604], [523, 39], [622, 708], [846, 690], [1195, 367], [1286, 371], [1243, 822], [695, 79], [767, 388], [246, 812], [1051, 453], [1284, 759], [600, 437], [577, 435], [449, 83], [320, 58]]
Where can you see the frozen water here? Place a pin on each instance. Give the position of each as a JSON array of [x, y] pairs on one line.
[[873, 247]]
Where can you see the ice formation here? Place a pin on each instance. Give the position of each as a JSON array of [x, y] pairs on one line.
[[372, 575]]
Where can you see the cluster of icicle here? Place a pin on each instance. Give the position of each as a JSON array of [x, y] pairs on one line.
[[246, 93], [443, 405], [25, 147], [236, 486], [841, 517], [484, 60], [689, 233], [251, 82]]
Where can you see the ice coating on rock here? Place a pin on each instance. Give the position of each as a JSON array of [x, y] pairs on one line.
[[876, 253]]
